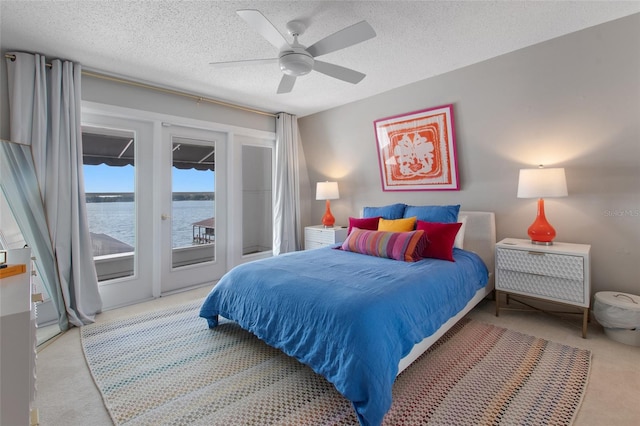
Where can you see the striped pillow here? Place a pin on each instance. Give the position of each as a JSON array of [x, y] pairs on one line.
[[407, 246]]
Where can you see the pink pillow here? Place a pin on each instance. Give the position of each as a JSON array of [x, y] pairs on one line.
[[405, 246], [370, 223], [441, 237]]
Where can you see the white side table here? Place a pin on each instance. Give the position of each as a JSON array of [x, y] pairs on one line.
[[17, 341], [318, 236], [559, 273]]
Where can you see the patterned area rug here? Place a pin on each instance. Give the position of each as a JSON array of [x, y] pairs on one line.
[[168, 368]]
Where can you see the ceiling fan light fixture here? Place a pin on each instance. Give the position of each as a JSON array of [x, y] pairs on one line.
[[296, 63], [296, 60]]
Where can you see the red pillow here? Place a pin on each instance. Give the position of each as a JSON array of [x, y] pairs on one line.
[[369, 223], [441, 237]]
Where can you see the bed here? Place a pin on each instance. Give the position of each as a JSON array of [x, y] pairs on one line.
[[357, 320]]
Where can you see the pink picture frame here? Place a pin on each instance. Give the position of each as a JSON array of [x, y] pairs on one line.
[[417, 150]]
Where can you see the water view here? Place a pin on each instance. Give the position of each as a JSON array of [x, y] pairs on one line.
[[116, 219]]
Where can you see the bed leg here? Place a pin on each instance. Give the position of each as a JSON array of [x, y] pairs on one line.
[[213, 322], [497, 297]]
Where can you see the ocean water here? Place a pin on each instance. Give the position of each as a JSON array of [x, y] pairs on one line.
[[118, 220]]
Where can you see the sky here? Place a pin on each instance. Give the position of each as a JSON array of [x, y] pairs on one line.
[[103, 178]]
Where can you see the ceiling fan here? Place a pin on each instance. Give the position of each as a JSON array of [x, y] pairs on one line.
[[296, 60]]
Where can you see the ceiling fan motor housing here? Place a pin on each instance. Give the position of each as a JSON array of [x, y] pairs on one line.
[[296, 62]]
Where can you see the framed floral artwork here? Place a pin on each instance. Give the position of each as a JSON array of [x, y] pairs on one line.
[[417, 150]]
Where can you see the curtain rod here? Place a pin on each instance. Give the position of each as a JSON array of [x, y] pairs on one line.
[[163, 90]]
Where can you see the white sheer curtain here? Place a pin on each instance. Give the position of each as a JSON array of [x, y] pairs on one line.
[[286, 218], [44, 107]]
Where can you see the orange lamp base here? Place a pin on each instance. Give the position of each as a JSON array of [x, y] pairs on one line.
[[541, 231], [328, 220]]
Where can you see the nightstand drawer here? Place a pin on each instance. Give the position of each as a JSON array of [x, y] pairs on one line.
[[553, 288], [310, 245], [540, 263], [318, 236], [322, 236]]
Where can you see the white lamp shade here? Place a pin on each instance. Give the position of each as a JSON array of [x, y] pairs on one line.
[[327, 191], [542, 183]]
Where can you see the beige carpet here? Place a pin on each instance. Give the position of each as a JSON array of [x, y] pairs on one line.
[[167, 367]]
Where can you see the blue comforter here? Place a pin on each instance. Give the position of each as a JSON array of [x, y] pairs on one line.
[[349, 316]]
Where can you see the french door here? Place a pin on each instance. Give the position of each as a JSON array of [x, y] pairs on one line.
[[118, 180], [193, 207], [156, 206]]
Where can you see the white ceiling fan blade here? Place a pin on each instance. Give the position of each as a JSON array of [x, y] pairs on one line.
[[286, 84], [336, 71], [349, 36], [261, 24], [225, 64]]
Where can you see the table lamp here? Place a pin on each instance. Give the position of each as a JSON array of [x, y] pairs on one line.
[[539, 183], [327, 191]]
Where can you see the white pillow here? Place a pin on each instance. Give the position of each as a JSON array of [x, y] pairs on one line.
[[458, 242]]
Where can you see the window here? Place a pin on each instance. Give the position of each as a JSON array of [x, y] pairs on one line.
[[257, 199]]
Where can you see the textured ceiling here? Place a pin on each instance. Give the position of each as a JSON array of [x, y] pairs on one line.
[[171, 43]]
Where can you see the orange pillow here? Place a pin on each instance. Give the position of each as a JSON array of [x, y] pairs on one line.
[[397, 225]]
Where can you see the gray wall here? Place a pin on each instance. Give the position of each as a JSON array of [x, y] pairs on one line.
[[571, 102], [107, 92]]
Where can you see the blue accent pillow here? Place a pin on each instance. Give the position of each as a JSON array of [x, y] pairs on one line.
[[442, 214], [392, 211]]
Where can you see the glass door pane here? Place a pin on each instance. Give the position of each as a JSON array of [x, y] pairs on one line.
[[109, 180], [193, 222]]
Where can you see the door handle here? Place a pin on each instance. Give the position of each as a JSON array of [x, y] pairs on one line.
[[165, 216]]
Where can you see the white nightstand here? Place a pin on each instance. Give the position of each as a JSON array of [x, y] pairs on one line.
[[318, 236], [559, 273]]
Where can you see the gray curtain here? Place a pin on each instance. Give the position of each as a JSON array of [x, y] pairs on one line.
[[44, 108], [286, 226], [20, 186]]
